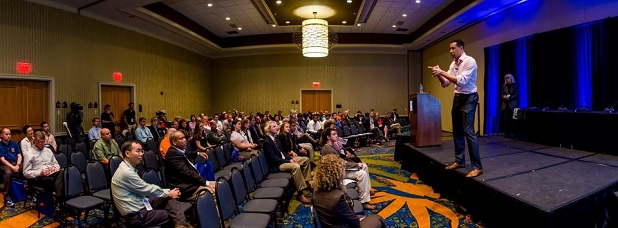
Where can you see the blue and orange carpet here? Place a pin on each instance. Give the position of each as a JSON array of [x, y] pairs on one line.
[[401, 198]]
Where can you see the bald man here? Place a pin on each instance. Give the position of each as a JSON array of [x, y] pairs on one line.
[[105, 148]]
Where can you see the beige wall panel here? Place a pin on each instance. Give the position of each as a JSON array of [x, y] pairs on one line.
[[271, 82], [80, 52], [536, 17]]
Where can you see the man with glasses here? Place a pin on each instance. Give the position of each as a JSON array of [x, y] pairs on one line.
[[41, 167], [139, 203], [10, 156]]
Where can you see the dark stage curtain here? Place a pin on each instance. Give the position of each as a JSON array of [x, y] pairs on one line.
[[572, 67]]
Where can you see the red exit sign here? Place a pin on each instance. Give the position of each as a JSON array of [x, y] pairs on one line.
[[24, 67]]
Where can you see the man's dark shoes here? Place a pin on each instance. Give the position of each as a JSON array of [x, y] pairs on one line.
[[474, 173], [303, 199], [455, 165]]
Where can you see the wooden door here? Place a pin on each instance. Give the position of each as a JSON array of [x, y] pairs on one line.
[[118, 97], [316, 100], [24, 102]]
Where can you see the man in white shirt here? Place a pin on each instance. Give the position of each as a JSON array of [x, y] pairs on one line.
[[40, 165]]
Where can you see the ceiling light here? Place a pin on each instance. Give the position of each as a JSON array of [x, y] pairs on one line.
[[209, 4], [287, 22], [344, 22], [239, 28], [349, 1], [278, 2], [418, 1], [394, 26], [314, 38], [274, 25], [404, 15], [227, 18], [359, 24]]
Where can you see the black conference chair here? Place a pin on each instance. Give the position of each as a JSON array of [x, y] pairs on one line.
[[207, 214], [76, 202], [228, 209]]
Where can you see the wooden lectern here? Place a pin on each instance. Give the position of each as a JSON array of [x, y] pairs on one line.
[[425, 120]]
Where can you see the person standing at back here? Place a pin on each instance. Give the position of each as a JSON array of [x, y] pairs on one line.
[[462, 73], [509, 103]]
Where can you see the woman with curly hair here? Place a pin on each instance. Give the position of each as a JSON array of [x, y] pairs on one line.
[[331, 202], [357, 171]]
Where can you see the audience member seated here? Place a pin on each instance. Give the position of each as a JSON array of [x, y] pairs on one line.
[[199, 139], [10, 156], [165, 143], [355, 171], [287, 141], [304, 140], [371, 124], [331, 201], [139, 203], [299, 167], [105, 148], [41, 168], [95, 131], [142, 133], [153, 128], [180, 171], [246, 130], [215, 136], [240, 142], [49, 138], [27, 142]]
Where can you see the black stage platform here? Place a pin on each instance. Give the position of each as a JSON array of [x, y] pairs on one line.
[[524, 184]]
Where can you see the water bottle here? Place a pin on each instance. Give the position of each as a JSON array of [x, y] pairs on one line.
[[420, 89]]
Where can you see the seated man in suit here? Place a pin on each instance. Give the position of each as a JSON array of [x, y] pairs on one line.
[[300, 167], [141, 204], [180, 171]]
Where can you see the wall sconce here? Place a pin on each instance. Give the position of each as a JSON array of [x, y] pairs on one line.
[[57, 104], [292, 101], [89, 104], [64, 104], [96, 105], [296, 101]]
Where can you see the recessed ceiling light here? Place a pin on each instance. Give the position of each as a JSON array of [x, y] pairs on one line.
[[278, 2], [274, 25], [287, 22], [349, 1], [344, 22], [209, 4], [404, 15], [418, 1], [394, 26], [239, 28], [227, 18], [359, 24]]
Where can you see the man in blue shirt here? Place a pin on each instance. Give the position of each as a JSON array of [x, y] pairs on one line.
[[142, 133], [10, 156]]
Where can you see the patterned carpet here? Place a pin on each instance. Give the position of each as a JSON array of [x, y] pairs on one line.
[[401, 198]]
